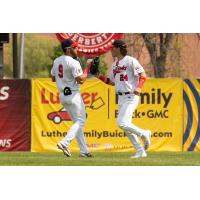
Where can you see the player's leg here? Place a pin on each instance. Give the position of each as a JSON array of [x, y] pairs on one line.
[[74, 108], [127, 105], [128, 118], [134, 141], [84, 152], [80, 135], [140, 151]]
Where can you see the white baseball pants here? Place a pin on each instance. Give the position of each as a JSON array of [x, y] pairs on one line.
[[75, 107], [127, 105]]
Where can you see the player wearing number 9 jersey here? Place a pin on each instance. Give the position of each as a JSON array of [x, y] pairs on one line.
[[128, 76], [68, 74]]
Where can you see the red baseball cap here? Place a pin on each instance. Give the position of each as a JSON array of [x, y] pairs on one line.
[[75, 44]]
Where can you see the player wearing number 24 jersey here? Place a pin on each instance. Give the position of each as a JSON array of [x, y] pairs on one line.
[[128, 77], [68, 74], [122, 74]]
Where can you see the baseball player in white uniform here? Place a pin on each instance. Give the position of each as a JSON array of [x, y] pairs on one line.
[[68, 74], [128, 76]]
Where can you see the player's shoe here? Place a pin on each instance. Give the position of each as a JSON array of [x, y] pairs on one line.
[[64, 149], [85, 155], [147, 139], [139, 154]]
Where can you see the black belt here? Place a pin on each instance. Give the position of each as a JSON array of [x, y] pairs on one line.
[[121, 93]]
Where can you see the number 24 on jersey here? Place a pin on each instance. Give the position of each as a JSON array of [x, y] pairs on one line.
[[123, 77]]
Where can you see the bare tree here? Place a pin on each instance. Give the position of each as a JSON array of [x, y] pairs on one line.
[[166, 54], [158, 46]]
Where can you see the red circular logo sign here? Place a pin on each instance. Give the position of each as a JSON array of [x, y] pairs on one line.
[[91, 44]]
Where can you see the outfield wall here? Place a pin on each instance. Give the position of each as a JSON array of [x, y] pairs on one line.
[[160, 111], [168, 107], [15, 112], [191, 95]]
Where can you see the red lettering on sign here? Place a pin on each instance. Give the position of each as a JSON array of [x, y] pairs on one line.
[[44, 101], [93, 96], [88, 98], [85, 97], [54, 99], [51, 98]]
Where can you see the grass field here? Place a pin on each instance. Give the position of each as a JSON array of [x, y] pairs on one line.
[[99, 159]]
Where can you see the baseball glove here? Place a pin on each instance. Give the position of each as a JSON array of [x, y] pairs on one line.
[[94, 67]]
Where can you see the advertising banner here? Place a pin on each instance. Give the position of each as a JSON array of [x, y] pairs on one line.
[[191, 95], [91, 44], [15, 112], [160, 110]]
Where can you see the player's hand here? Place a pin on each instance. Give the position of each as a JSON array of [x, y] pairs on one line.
[[137, 91], [88, 62]]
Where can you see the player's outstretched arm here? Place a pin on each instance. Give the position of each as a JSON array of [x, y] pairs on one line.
[[106, 80], [82, 78], [142, 79]]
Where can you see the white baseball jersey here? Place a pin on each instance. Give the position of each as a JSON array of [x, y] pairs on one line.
[[125, 74], [66, 69]]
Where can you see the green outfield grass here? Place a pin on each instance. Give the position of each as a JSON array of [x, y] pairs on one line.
[[99, 159]]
